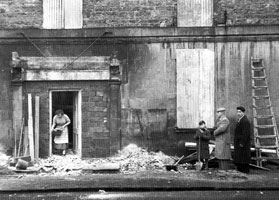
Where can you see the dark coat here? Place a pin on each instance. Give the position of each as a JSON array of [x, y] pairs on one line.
[[204, 139], [223, 139], [242, 155]]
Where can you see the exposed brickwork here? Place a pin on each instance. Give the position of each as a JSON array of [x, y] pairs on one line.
[[6, 136], [107, 13], [21, 14], [139, 13], [239, 12], [94, 126]]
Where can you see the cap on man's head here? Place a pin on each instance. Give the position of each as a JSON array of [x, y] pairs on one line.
[[241, 108], [221, 109]]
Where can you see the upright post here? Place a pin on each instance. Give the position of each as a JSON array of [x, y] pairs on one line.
[[30, 127], [37, 126]]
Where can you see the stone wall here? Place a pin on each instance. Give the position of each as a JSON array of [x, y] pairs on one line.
[[21, 14], [95, 119], [248, 12], [129, 13], [95, 104], [139, 13]]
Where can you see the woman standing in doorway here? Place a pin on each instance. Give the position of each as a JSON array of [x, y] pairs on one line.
[[61, 122]]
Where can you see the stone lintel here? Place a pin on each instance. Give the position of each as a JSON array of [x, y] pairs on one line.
[[65, 75]]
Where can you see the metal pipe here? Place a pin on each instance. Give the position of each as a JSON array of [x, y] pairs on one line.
[[21, 33], [105, 33]]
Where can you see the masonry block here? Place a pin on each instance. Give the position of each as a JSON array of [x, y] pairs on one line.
[[100, 135], [93, 99]]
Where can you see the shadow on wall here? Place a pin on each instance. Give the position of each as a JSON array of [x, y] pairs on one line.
[[147, 128]]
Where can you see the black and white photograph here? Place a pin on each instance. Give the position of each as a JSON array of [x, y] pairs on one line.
[[139, 99]]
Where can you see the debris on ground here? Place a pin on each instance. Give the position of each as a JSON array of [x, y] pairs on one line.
[[4, 163], [130, 159], [134, 159], [4, 159], [228, 175]]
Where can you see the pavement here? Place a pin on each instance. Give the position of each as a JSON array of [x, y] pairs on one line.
[[145, 181]]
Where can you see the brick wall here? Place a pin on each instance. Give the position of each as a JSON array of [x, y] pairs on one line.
[[240, 12], [95, 104], [139, 13], [129, 13], [6, 136], [95, 126], [21, 14]]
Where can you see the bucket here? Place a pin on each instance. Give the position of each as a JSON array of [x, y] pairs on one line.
[[21, 164], [171, 167]]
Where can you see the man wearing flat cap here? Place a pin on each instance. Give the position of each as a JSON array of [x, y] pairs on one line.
[[242, 153], [222, 140]]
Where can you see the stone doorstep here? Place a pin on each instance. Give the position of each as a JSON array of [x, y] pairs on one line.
[[103, 168]]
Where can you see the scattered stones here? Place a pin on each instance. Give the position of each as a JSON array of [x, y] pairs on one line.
[[131, 159]]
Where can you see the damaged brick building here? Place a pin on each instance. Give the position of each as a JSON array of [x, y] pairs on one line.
[[131, 71]]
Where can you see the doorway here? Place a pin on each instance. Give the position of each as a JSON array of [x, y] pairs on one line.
[[70, 103]]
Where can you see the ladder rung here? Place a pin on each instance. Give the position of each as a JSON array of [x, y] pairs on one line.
[[260, 87], [259, 77], [257, 68], [256, 59], [261, 107], [267, 147], [267, 158], [265, 126], [261, 97], [264, 116], [265, 136]]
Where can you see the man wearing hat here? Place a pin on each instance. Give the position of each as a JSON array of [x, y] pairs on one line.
[[242, 153], [222, 140]]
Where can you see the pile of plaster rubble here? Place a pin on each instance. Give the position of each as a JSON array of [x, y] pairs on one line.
[[4, 163], [130, 159]]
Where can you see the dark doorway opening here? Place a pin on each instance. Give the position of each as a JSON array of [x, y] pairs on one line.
[[65, 100]]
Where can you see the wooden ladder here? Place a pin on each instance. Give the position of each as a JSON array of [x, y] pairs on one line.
[[265, 128]]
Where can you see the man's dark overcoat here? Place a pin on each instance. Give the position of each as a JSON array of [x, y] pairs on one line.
[[242, 155]]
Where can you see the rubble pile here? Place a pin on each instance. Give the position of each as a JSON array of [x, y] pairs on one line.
[[63, 165], [133, 158], [4, 160], [4, 163]]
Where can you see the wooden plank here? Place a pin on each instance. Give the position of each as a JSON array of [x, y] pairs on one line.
[[37, 121], [53, 15], [259, 167], [194, 13], [206, 86], [73, 14], [195, 87], [17, 112], [21, 136], [25, 141], [30, 128]]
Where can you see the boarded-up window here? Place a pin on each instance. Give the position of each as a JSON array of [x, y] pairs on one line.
[[191, 13], [60, 14], [195, 87]]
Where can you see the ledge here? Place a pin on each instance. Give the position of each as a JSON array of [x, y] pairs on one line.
[[65, 75], [242, 33]]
